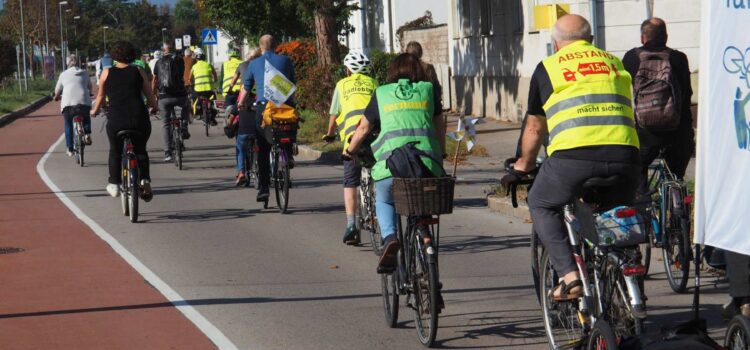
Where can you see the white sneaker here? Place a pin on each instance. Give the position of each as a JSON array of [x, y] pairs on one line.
[[69, 153], [146, 193], [87, 139], [113, 190]]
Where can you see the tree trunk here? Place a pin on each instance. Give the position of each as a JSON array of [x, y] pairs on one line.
[[327, 38]]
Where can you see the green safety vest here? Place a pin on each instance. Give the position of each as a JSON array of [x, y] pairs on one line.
[[591, 98], [202, 75], [355, 93], [406, 111], [228, 69]]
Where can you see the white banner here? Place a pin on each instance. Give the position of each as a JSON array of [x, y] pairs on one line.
[[723, 164], [276, 87]]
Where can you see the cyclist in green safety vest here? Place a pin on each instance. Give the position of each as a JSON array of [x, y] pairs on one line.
[[405, 110], [204, 78], [351, 96], [230, 91]]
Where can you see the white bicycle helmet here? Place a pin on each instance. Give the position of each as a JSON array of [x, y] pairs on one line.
[[198, 53], [357, 62]]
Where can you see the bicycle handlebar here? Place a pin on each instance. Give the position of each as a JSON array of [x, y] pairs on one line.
[[519, 179]]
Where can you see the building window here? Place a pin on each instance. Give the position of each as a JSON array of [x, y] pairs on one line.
[[485, 17]]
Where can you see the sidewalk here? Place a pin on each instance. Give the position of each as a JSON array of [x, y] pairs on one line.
[[66, 288]]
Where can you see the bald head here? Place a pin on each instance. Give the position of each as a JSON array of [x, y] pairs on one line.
[[570, 28], [267, 43], [654, 29]]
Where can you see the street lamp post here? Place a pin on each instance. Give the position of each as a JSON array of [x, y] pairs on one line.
[[75, 31], [62, 52], [67, 37], [46, 30], [104, 34], [163, 41], [23, 48]]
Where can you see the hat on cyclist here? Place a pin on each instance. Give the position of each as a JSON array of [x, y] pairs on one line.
[[357, 62], [199, 53]]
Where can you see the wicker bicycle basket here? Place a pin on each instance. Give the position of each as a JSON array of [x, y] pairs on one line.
[[427, 196]]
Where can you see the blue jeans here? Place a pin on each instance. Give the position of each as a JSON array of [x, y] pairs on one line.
[[68, 116], [242, 150], [384, 208]]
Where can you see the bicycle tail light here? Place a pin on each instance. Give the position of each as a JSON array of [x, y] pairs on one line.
[[285, 140], [687, 200], [130, 147], [625, 213], [634, 270]]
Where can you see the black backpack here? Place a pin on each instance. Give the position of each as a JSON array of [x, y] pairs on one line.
[[170, 75], [406, 161]]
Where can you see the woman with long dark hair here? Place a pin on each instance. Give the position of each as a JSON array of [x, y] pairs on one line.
[[406, 109], [124, 86]]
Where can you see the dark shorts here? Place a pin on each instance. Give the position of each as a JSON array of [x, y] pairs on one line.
[[352, 174]]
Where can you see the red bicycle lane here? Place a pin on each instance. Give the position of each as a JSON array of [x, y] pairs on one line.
[[67, 288]]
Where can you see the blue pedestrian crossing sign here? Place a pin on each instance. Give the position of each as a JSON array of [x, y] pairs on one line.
[[209, 36]]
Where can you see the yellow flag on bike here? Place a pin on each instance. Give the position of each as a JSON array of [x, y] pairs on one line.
[[276, 87]]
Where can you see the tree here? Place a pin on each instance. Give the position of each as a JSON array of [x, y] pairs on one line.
[[185, 13]]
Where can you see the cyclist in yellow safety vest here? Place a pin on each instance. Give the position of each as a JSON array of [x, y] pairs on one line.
[[351, 96], [230, 91], [204, 78], [580, 100]]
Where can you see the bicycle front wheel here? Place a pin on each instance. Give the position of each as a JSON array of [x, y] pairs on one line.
[[426, 298], [676, 241], [602, 337]]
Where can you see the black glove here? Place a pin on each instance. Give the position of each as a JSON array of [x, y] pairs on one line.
[[514, 177], [329, 138]]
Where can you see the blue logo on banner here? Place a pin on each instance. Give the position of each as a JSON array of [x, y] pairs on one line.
[[738, 62], [209, 36]]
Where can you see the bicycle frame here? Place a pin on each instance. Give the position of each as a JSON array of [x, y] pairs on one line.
[[415, 228]]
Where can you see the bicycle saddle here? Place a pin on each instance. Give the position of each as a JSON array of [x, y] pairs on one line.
[[603, 182], [130, 133]]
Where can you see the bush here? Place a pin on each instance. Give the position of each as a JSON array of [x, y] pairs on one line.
[[380, 61]]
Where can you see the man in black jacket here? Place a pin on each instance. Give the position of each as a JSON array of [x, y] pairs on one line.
[[174, 95], [680, 143]]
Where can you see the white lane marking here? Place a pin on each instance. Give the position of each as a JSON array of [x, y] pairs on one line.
[[213, 333]]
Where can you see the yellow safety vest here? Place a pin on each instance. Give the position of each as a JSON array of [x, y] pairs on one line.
[[591, 99], [355, 92], [202, 75], [229, 68]]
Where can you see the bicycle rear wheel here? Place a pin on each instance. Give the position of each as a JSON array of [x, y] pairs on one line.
[[205, 117], [738, 334], [282, 189], [425, 285], [564, 329], [134, 193], [602, 337], [618, 312], [676, 241], [389, 288], [124, 186], [536, 253], [81, 162]]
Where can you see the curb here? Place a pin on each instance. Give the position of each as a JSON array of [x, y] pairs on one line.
[[503, 206], [7, 118], [307, 153]]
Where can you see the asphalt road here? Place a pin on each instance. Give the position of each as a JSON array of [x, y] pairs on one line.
[[272, 281]]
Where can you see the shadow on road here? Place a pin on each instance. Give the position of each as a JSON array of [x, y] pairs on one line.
[[452, 245], [197, 215]]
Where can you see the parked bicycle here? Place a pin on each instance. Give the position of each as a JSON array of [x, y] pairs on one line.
[[283, 149], [605, 248], [422, 201], [669, 228], [130, 177]]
